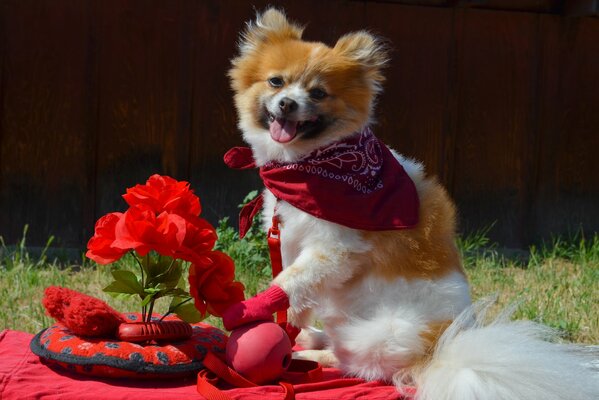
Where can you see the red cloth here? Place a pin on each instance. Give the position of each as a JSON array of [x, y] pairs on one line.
[[356, 182], [23, 377]]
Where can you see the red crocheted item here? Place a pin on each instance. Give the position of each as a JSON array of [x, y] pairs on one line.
[[82, 314]]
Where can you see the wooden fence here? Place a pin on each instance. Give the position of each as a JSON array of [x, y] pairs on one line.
[[502, 103]]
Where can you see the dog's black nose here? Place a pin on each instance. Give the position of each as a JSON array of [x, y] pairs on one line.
[[287, 105]]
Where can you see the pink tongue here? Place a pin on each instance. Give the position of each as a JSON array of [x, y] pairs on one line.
[[283, 130]]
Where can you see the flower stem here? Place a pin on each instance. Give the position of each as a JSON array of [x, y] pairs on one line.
[[143, 283], [141, 269], [149, 317]]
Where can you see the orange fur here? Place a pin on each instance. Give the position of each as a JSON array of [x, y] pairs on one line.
[[350, 75], [427, 251], [432, 334]]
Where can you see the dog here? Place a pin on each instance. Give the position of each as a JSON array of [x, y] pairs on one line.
[[392, 296]]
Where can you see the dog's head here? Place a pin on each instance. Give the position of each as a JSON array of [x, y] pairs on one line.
[[294, 96]]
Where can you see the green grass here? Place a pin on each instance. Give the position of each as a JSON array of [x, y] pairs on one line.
[[555, 283]]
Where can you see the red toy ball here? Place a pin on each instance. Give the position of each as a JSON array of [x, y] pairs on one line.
[[261, 352]]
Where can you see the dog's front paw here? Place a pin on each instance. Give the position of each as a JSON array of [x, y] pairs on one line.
[[326, 358], [240, 314], [312, 339], [258, 308], [300, 318]]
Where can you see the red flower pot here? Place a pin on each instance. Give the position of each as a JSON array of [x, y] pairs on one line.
[[155, 330]]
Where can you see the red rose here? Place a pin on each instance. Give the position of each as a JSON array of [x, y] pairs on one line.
[[100, 247], [200, 237], [140, 229], [211, 283], [163, 193]]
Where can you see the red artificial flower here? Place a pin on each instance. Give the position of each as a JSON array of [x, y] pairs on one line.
[[200, 237], [100, 247], [163, 193], [212, 285], [140, 229]]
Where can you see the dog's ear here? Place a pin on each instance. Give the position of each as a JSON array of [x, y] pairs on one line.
[[366, 49], [270, 25]]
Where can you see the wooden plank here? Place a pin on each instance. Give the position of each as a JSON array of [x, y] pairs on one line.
[[543, 206], [413, 112], [214, 130], [569, 188], [495, 135], [44, 121], [540, 6], [580, 8], [434, 3], [144, 58]]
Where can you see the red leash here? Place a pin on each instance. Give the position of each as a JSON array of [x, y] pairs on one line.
[[276, 259], [216, 369]]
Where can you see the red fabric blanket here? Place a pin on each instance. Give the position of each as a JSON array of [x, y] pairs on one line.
[[24, 377]]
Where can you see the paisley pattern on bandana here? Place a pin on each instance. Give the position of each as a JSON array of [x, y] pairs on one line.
[[357, 162]]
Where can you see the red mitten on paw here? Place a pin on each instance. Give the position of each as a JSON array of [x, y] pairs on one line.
[[259, 308], [83, 315]]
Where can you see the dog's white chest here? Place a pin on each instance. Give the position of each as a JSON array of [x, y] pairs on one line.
[[301, 231]]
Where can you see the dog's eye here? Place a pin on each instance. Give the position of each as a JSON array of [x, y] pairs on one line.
[[276, 82], [318, 94]]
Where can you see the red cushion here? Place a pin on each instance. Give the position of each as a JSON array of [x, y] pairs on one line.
[[114, 358]]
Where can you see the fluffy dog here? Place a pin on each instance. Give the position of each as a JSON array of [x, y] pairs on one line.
[[392, 297]]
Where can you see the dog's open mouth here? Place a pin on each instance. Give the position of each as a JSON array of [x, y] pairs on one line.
[[284, 130]]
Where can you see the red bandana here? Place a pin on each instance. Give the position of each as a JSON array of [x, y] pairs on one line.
[[355, 182]]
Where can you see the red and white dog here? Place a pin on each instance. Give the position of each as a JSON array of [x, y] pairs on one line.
[[368, 240]]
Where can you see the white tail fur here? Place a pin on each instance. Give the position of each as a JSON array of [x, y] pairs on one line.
[[505, 359]]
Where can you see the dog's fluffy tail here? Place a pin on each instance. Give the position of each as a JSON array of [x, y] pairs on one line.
[[502, 360]]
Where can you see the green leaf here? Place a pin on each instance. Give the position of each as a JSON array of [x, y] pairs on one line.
[[152, 266], [118, 295], [127, 278], [125, 282], [147, 300], [187, 312], [176, 293], [165, 271], [152, 290]]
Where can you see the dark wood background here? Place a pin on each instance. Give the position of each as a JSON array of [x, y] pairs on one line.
[[499, 98]]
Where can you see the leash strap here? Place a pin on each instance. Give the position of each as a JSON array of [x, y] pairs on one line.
[[276, 259], [216, 369], [310, 372]]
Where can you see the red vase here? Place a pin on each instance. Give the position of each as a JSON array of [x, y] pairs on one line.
[[261, 352]]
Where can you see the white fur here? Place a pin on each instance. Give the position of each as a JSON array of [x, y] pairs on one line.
[[297, 92], [503, 360], [375, 329], [413, 168]]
